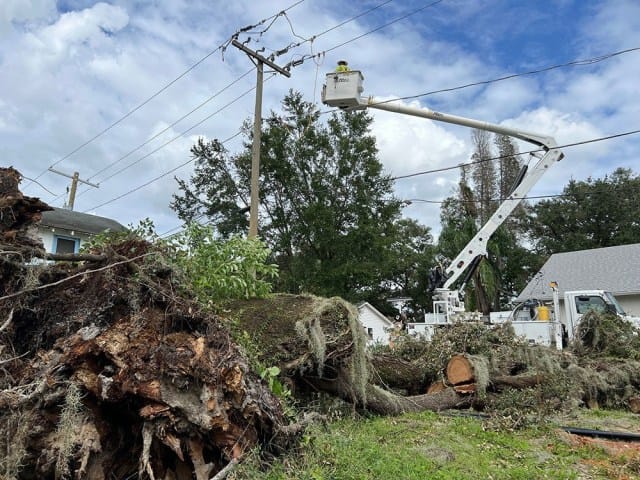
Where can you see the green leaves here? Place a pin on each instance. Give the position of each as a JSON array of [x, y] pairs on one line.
[[270, 375], [590, 214], [327, 210], [224, 269]]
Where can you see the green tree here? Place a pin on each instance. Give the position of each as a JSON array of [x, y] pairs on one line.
[[220, 270], [213, 191], [327, 210], [509, 165], [594, 213], [459, 219], [505, 270], [412, 258], [483, 173]]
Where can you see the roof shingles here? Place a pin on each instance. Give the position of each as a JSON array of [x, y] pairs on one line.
[[614, 269], [79, 222]]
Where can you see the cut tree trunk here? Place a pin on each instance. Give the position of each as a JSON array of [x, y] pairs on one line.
[[468, 373], [321, 346], [392, 372]]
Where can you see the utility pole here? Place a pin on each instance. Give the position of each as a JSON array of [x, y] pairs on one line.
[[257, 131], [75, 178]]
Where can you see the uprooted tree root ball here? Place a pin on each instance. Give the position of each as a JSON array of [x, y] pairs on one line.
[[109, 372]]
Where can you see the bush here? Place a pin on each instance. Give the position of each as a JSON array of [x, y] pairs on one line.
[[220, 270]]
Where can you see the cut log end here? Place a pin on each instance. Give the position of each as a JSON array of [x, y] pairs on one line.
[[460, 370]]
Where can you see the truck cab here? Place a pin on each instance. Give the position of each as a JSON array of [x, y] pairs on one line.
[[575, 304]]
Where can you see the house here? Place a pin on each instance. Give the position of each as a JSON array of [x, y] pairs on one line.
[[376, 325], [613, 269], [64, 231]]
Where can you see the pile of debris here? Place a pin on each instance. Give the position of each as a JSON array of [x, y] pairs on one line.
[[109, 369]]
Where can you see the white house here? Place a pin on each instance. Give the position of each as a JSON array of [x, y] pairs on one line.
[[375, 324], [64, 231], [613, 269]]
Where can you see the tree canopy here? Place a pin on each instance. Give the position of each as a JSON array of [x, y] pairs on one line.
[[327, 209], [602, 212]]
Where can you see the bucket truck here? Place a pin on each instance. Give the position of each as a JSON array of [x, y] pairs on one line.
[[344, 90], [530, 317]]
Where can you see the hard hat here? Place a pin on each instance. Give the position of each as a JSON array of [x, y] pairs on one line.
[[342, 62]]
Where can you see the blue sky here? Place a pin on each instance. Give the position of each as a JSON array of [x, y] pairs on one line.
[[72, 68]]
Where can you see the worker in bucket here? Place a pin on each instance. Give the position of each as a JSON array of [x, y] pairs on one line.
[[343, 66]]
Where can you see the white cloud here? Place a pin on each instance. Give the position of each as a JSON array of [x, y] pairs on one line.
[[71, 74], [408, 144], [23, 11], [93, 25]]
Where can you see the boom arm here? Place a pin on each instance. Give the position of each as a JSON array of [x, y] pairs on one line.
[[343, 89]]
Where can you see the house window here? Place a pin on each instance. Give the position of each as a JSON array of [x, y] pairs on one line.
[[370, 333], [65, 244]]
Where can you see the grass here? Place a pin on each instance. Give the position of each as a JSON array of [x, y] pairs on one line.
[[432, 446]]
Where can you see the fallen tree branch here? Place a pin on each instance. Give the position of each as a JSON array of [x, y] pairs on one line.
[[222, 474], [87, 272], [75, 257], [7, 322], [7, 360]]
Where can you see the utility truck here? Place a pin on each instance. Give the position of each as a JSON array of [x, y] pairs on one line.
[[539, 323], [344, 90], [530, 317]]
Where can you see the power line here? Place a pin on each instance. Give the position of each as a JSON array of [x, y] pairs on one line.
[[154, 137], [413, 12], [163, 131], [174, 139], [568, 145], [321, 54], [132, 111], [573, 63], [139, 187], [280, 52], [314, 37], [349, 20], [588, 61], [605, 189], [168, 233], [500, 157], [221, 47], [408, 201], [33, 180]]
